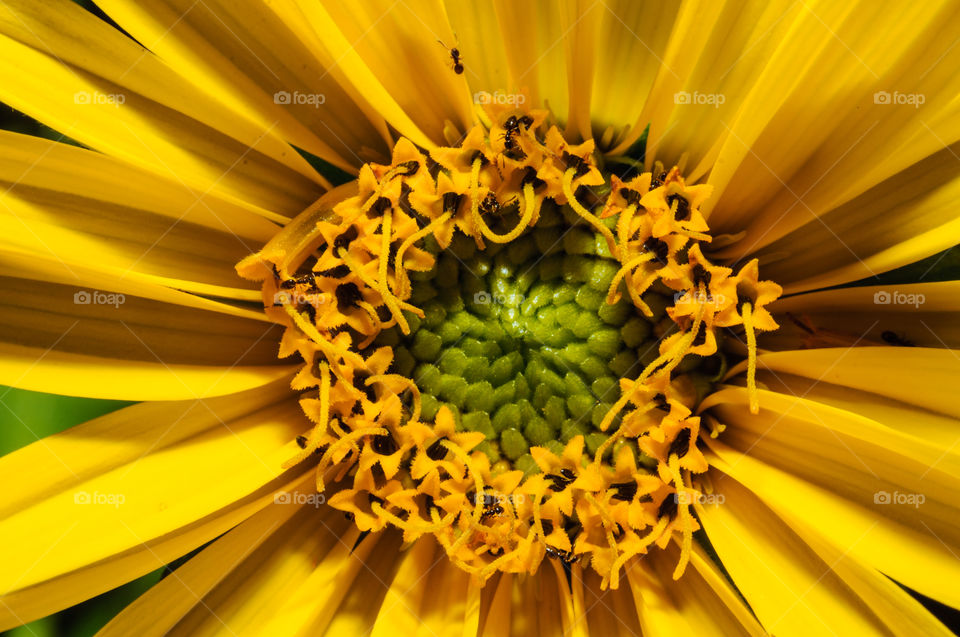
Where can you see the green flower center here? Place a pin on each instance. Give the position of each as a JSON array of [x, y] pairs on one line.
[[519, 341]]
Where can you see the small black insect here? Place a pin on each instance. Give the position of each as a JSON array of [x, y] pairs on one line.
[[490, 204], [493, 511], [455, 57], [893, 338], [563, 556]]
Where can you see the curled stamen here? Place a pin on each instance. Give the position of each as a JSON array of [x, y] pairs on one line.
[[613, 294], [412, 386], [528, 209], [382, 286], [587, 216], [475, 200], [332, 351], [400, 272], [345, 441]]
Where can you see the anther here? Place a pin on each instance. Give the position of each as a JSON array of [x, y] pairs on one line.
[[625, 491], [681, 444], [683, 207]]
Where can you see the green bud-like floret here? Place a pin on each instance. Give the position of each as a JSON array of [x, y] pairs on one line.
[[520, 342]]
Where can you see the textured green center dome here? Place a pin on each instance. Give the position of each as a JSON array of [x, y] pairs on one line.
[[519, 341]]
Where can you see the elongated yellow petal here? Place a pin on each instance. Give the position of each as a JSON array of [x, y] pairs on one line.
[[632, 40], [937, 429], [391, 49], [792, 590], [713, 86], [901, 220], [870, 488], [806, 134], [118, 496], [103, 333], [301, 606], [609, 612], [82, 216], [920, 313], [357, 612], [286, 537], [66, 170], [900, 612], [248, 58], [477, 28], [918, 376], [133, 126], [690, 31], [536, 56], [47, 268], [702, 603]]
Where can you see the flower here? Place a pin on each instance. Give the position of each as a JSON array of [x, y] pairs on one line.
[[694, 161]]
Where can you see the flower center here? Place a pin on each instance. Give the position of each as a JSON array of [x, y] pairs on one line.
[[503, 347], [519, 342]]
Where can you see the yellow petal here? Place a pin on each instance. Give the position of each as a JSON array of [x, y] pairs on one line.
[[871, 487], [920, 313], [609, 612], [633, 38], [914, 375], [358, 611], [901, 220], [141, 125], [77, 172], [69, 204], [69, 340], [477, 28], [47, 268], [400, 610], [282, 539], [936, 429], [307, 607], [701, 603], [690, 30], [791, 590], [810, 128], [391, 51], [537, 61], [251, 59], [115, 498], [899, 611]]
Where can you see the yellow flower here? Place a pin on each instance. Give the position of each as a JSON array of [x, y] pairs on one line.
[[398, 467]]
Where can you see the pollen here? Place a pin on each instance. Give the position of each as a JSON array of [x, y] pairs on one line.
[[504, 347]]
